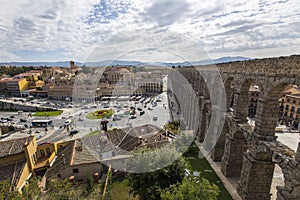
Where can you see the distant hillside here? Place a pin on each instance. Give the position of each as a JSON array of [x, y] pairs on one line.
[[127, 63], [37, 64], [113, 62], [213, 61]]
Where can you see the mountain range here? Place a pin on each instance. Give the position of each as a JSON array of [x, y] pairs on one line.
[[127, 63]]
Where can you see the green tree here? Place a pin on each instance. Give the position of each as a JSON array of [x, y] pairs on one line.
[[89, 183], [173, 126], [32, 190], [148, 185], [6, 192], [191, 188], [60, 189]]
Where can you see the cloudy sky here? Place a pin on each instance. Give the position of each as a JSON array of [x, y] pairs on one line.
[[156, 30]]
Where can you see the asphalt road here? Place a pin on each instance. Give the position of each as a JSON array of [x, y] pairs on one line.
[[85, 126]]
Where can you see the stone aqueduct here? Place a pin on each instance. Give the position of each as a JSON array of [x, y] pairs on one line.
[[247, 152]]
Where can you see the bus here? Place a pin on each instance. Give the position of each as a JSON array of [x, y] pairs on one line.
[[41, 123]]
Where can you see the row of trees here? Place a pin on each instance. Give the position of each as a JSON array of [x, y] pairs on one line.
[[171, 183], [12, 71], [30, 192], [56, 189]]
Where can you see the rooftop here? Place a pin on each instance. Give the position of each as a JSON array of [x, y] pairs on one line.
[[15, 146], [12, 171]]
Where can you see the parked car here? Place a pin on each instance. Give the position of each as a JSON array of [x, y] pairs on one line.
[[4, 135], [116, 119], [23, 120], [132, 117], [68, 122], [142, 113], [73, 132]]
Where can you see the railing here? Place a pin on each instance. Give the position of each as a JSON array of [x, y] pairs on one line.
[[51, 157]]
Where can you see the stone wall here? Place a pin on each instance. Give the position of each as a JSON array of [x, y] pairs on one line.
[[15, 107], [291, 171], [247, 151]]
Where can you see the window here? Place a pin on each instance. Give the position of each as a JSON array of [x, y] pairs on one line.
[[42, 152], [292, 109], [75, 170], [294, 101], [48, 151]]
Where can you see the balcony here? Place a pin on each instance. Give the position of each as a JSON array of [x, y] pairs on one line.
[[44, 161]]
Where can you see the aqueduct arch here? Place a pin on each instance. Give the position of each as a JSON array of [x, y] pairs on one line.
[[250, 153]]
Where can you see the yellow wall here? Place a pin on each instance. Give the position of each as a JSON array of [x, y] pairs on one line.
[[23, 84], [60, 145], [39, 84], [44, 147], [25, 174], [30, 149]]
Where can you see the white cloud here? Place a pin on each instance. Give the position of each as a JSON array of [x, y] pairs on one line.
[[248, 28]]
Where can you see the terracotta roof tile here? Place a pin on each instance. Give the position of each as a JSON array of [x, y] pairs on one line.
[[11, 147]]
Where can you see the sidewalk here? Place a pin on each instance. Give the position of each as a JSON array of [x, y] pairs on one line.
[[229, 183]]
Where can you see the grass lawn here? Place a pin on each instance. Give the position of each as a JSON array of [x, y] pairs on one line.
[[201, 165], [99, 114], [120, 189], [48, 113]]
